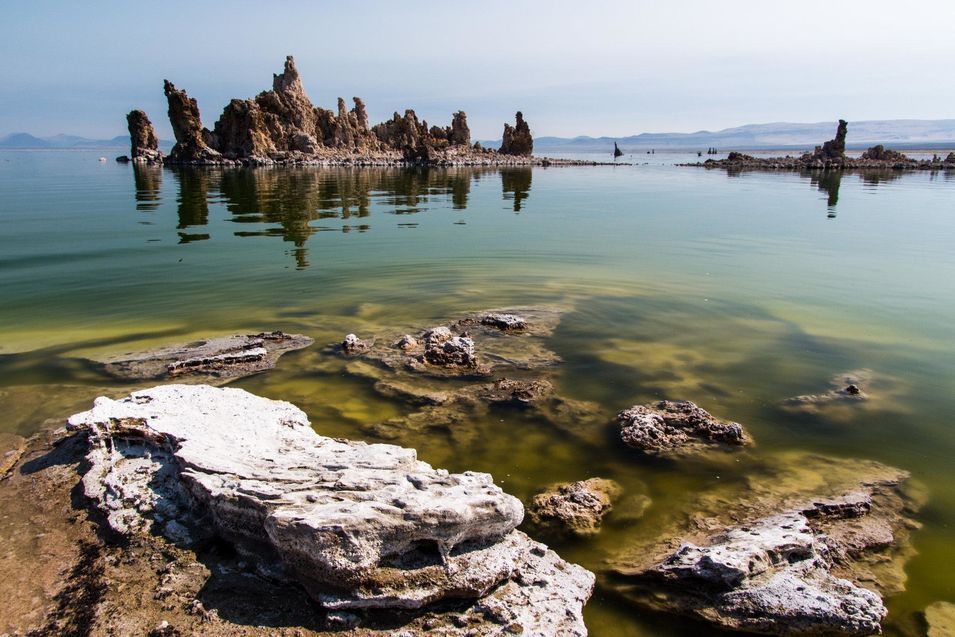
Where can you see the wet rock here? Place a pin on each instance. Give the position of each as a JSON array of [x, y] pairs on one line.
[[214, 360], [358, 526], [187, 127], [406, 342], [352, 344], [444, 349], [676, 428], [940, 619], [517, 139], [808, 546], [518, 392], [577, 508], [504, 322], [143, 140], [846, 389]]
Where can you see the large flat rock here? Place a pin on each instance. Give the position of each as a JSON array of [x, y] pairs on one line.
[[359, 526]]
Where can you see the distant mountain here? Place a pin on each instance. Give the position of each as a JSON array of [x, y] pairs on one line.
[[62, 141], [899, 133]]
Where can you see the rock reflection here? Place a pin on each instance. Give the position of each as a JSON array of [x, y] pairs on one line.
[[148, 182], [828, 181], [294, 203], [192, 201], [516, 183]]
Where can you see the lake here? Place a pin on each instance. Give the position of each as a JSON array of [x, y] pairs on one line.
[[733, 290]]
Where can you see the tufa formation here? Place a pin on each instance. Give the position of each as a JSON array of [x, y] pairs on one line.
[[283, 126], [144, 145]]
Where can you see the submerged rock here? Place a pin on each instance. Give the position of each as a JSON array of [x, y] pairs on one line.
[[216, 359], [940, 619], [848, 388], [143, 140], [808, 547], [577, 508], [358, 526], [675, 428]]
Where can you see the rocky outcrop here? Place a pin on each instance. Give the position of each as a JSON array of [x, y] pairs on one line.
[[677, 428], [144, 144], [361, 527], [452, 376], [881, 153], [460, 134], [191, 139], [577, 508], [835, 148], [832, 156], [517, 139], [213, 360], [809, 548]]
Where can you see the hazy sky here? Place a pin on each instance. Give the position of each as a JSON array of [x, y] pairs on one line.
[[597, 68]]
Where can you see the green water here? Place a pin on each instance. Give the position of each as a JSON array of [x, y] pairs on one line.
[[734, 291]]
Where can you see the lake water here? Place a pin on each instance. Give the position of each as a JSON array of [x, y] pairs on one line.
[[734, 291]]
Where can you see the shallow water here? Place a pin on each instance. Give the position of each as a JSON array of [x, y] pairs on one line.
[[731, 290]]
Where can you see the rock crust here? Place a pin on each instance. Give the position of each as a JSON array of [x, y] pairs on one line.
[[780, 560], [358, 526], [214, 360], [677, 428]]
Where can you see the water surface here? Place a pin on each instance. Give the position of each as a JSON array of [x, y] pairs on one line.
[[731, 290]]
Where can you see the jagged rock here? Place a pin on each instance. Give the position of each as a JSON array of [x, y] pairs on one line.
[[834, 149], [676, 428], [352, 344], [143, 140], [242, 130], [779, 560], [881, 153], [577, 508], [940, 619], [460, 134], [517, 140], [359, 526], [214, 360], [444, 349], [186, 124], [950, 159]]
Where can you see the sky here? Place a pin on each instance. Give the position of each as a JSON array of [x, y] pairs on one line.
[[573, 68]]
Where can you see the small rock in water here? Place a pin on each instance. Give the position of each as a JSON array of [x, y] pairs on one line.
[[577, 508], [504, 322], [352, 344], [407, 343], [669, 427]]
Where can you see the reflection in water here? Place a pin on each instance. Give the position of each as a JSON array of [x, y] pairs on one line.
[[148, 180], [294, 201], [193, 201], [517, 185], [828, 181]]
